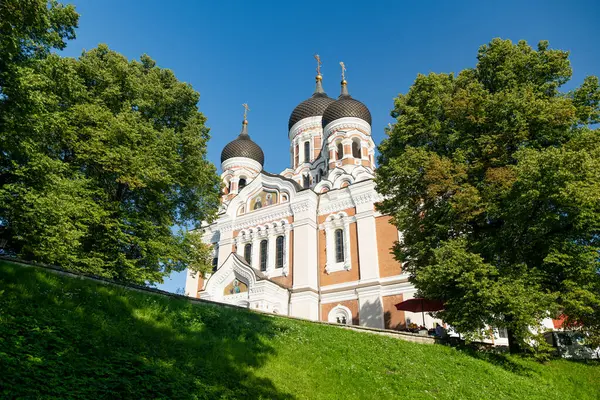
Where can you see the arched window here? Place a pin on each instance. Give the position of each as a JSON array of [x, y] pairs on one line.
[[306, 151], [263, 255], [215, 263], [279, 252], [248, 253], [306, 182], [356, 149], [339, 245], [241, 184], [340, 151]]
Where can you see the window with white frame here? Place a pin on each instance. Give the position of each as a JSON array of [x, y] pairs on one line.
[[306, 151], [279, 252], [215, 260], [248, 253], [339, 151], [339, 245], [337, 237], [356, 148], [263, 255]]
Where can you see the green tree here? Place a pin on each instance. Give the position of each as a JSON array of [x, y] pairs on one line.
[[101, 156], [493, 176]]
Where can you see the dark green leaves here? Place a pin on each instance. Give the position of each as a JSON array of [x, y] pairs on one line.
[[101, 156], [495, 171]]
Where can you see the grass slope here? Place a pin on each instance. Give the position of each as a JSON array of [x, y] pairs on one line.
[[70, 338]]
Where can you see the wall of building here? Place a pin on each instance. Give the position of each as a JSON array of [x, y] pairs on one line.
[[387, 235], [392, 318]]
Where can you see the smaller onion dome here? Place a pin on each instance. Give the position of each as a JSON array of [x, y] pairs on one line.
[[243, 146], [346, 106], [311, 107]]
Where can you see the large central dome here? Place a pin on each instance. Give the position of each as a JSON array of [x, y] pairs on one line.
[[243, 146], [346, 106], [311, 107]]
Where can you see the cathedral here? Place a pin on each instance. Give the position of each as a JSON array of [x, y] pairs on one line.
[[307, 242]]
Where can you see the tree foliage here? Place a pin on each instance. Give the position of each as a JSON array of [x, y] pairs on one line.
[[493, 176], [101, 156]]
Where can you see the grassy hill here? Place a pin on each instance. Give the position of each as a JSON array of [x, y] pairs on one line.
[[62, 337]]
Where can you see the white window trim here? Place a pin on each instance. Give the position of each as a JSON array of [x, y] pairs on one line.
[[279, 229], [340, 310], [332, 223]]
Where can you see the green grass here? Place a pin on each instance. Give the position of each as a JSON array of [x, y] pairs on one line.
[[71, 338]]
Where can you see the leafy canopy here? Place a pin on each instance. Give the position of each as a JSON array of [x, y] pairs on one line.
[[493, 176], [101, 156]]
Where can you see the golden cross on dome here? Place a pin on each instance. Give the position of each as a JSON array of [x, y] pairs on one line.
[[343, 70], [246, 109], [319, 63]]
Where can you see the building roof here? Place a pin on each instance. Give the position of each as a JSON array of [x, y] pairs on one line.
[[346, 106], [314, 106], [243, 146]]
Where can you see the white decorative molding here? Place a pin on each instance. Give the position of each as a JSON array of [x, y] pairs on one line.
[[397, 288], [255, 219], [305, 124], [301, 207], [347, 123], [336, 206], [340, 315], [225, 227], [240, 162], [336, 297]]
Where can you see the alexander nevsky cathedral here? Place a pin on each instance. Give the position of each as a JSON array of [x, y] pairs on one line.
[[307, 242]]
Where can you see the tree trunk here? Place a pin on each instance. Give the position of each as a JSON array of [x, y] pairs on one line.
[[513, 344]]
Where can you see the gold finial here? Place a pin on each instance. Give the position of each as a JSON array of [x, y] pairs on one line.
[[343, 71], [318, 64], [246, 109]]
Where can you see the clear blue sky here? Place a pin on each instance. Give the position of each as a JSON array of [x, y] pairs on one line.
[[261, 52]]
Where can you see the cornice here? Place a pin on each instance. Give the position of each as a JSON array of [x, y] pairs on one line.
[[304, 125], [260, 218], [301, 207], [241, 162], [347, 123], [336, 206]]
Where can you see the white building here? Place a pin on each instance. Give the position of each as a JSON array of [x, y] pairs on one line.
[[308, 242]]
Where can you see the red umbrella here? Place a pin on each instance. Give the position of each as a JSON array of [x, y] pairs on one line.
[[422, 305]]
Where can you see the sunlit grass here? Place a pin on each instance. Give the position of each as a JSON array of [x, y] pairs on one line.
[[70, 338]]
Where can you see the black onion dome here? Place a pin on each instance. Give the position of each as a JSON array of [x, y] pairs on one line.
[[243, 146], [346, 106], [311, 107]]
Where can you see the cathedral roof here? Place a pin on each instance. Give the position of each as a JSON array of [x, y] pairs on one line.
[[243, 146], [346, 106], [314, 106]]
